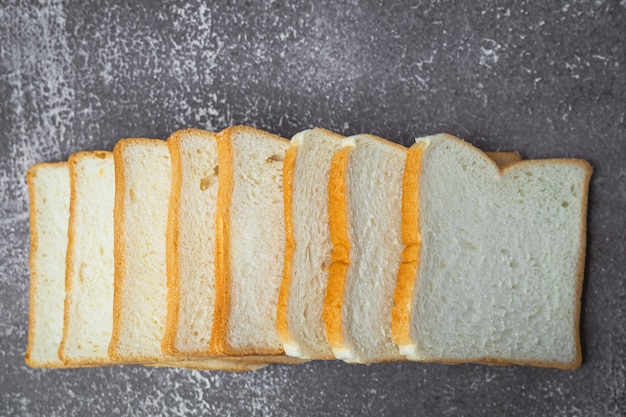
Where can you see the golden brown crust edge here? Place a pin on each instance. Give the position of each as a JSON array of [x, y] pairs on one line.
[[168, 345], [282, 323], [340, 256], [502, 170]]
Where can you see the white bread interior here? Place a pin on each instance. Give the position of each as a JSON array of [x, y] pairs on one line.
[[374, 194], [89, 271], [253, 242], [192, 231], [49, 191], [143, 175], [501, 260], [310, 257]]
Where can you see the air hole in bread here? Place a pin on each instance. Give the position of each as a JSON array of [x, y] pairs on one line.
[[133, 196], [565, 204], [206, 182], [101, 173], [275, 158], [514, 264]]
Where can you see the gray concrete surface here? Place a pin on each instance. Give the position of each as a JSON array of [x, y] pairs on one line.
[[545, 78]]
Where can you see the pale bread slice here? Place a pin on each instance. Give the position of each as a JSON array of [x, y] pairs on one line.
[[190, 248], [250, 244], [88, 317], [308, 246], [143, 184], [49, 192], [364, 205], [191, 242], [493, 265], [365, 212]]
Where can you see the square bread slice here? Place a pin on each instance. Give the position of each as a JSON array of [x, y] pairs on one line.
[[250, 243], [365, 225], [88, 318], [308, 246], [493, 265], [49, 192], [191, 242], [143, 182]]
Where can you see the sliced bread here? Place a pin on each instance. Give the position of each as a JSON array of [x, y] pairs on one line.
[[49, 192], [250, 243], [364, 205], [143, 179], [191, 242], [365, 225], [143, 183], [493, 265], [88, 318], [308, 246]]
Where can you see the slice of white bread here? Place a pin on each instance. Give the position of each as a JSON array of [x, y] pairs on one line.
[[308, 246], [250, 243], [49, 192], [493, 265], [88, 318], [143, 182], [191, 242], [364, 205], [365, 225], [142, 187]]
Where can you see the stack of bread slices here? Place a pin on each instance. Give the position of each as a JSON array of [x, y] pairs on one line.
[[233, 250]]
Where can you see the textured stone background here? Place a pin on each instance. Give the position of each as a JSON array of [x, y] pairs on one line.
[[549, 81]]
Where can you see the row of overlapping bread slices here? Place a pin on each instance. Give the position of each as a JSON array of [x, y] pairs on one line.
[[234, 250]]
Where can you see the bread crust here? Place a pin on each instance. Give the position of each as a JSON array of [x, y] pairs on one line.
[[282, 323], [218, 345], [502, 171], [407, 272], [69, 263], [34, 272], [340, 256]]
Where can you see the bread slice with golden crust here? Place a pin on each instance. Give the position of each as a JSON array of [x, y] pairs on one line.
[[88, 317], [365, 213], [250, 244], [493, 261], [49, 192], [308, 246], [190, 249], [364, 206], [143, 185], [191, 242]]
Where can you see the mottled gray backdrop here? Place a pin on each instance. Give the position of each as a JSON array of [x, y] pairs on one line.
[[549, 81]]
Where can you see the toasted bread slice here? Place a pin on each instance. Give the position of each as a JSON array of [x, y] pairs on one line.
[[307, 250], [250, 243], [493, 264], [88, 318], [49, 191]]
